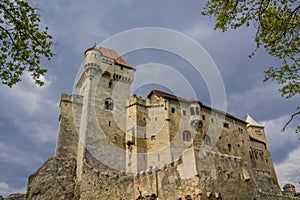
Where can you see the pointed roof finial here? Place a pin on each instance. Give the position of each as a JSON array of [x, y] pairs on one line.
[[252, 122]]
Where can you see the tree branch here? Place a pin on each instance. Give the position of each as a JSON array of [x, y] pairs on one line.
[[291, 119], [13, 42], [19, 24], [9, 35], [293, 12]]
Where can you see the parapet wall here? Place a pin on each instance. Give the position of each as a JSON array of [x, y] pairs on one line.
[[216, 176], [138, 100]]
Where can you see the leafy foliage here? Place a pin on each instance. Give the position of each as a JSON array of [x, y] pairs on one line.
[[277, 24], [22, 42]]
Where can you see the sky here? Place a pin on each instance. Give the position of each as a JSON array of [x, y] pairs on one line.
[[29, 113]]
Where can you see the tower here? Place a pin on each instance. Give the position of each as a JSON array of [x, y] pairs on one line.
[[255, 130], [104, 84], [259, 150]]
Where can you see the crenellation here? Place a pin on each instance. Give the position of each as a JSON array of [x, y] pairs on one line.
[[168, 147]]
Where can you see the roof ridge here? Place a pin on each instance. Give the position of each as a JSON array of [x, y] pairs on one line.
[[111, 54]]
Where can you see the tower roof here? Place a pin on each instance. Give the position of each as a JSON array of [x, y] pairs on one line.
[[252, 122], [111, 54], [166, 95]]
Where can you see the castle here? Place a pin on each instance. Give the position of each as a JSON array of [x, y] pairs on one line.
[[115, 146]]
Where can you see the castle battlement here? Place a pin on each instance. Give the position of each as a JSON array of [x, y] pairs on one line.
[[130, 147], [146, 103]]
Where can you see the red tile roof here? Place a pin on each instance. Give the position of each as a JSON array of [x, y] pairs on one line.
[[166, 95], [173, 97], [111, 54]]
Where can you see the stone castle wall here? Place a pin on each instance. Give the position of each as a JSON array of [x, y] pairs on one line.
[[215, 176], [69, 122], [113, 146]]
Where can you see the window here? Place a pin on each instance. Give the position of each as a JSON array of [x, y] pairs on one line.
[[212, 120], [109, 123], [109, 105], [184, 112], [121, 67], [158, 157], [186, 136], [173, 110], [197, 111], [203, 117], [240, 130], [229, 147], [225, 125], [153, 138], [110, 84], [192, 111]]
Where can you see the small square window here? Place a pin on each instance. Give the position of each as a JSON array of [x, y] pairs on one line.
[[184, 112], [121, 67], [226, 125], [153, 138]]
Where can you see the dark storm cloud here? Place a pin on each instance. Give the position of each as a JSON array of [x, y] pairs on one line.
[[28, 115]]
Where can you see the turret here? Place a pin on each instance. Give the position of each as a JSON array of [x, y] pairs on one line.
[[255, 129]]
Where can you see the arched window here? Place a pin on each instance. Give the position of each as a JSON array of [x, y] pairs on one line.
[[192, 111], [229, 147], [187, 136], [109, 104], [197, 111]]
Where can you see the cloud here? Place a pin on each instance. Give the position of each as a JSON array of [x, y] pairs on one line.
[[16, 156], [29, 113], [37, 131], [263, 101], [27, 97], [289, 171], [281, 143], [164, 76], [6, 189], [30, 108]]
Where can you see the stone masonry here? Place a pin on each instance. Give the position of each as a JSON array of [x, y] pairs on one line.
[[115, 146]]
